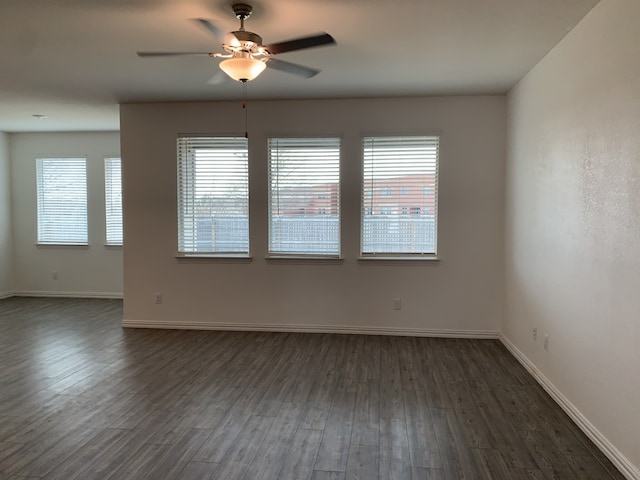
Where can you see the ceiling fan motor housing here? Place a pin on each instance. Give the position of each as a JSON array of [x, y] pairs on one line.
[[248, 38]]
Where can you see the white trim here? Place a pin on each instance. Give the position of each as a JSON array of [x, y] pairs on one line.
[[622, 463], [6, 295], [386, 257], [27, 293], [255, 327]]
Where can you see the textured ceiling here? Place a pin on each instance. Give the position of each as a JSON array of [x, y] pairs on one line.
[[75, 60]]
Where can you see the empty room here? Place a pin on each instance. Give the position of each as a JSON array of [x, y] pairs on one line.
[[313, 240]]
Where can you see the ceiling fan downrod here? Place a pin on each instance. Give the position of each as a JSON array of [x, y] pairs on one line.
[[242, 12]]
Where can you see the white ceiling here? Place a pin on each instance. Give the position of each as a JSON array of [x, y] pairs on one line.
[[75, 60]]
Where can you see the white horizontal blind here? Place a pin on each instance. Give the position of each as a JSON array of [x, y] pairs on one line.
[[399, 195], [213, 195], [113, 200], [304, 196], [62, 201]]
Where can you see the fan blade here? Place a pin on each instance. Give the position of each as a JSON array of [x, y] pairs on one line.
[[289, 67], [210, 27], [218, 78], [170, 54], [223, 37], [301, 43]]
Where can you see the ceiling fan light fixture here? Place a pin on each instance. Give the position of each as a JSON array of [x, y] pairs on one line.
[[242, 69]]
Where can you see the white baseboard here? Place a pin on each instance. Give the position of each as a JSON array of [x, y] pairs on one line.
[[628, 469], [6, 295], [255, 327], [27, 293]]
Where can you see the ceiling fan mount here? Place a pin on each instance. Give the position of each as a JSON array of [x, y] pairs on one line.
[[246, 56], [242, 10]]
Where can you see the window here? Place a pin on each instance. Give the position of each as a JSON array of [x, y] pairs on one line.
[[391, 163], [62, 201], [113, 201], [213, 196], [386, 192], [304, 196]]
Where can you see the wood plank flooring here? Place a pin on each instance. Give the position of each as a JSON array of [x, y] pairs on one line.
[[82, 398]]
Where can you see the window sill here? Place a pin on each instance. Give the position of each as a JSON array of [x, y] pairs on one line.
[[59, 245], [212, 258], [400, 259], [303, 259]]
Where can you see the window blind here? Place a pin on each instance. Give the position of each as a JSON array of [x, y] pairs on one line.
[[62, 201], [304, 196], [399, 195], [113, 200], [213, 195]]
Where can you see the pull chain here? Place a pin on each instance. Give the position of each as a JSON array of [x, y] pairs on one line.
[[244, 106]]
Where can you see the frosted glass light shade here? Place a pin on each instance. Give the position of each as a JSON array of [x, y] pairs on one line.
[[242, 69]]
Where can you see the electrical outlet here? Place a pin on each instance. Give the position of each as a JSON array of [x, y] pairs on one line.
[[158, 298], [546, 342], [397, 304], [534, 334]]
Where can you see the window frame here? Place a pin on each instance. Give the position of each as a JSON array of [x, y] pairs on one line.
[[273, 254], [51, 240], [108, 203], [186, 174], [366, 201]]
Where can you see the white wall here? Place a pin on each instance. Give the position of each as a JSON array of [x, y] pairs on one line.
[[6, 264], [573, 223], [95, 270], [462, 293]]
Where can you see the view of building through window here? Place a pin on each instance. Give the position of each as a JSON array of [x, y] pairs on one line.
[[401, 195]]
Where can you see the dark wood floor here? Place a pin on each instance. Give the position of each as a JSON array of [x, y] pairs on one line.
[[81, 398]]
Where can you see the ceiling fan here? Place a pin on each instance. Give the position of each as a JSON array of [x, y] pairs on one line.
[[246, 57]]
